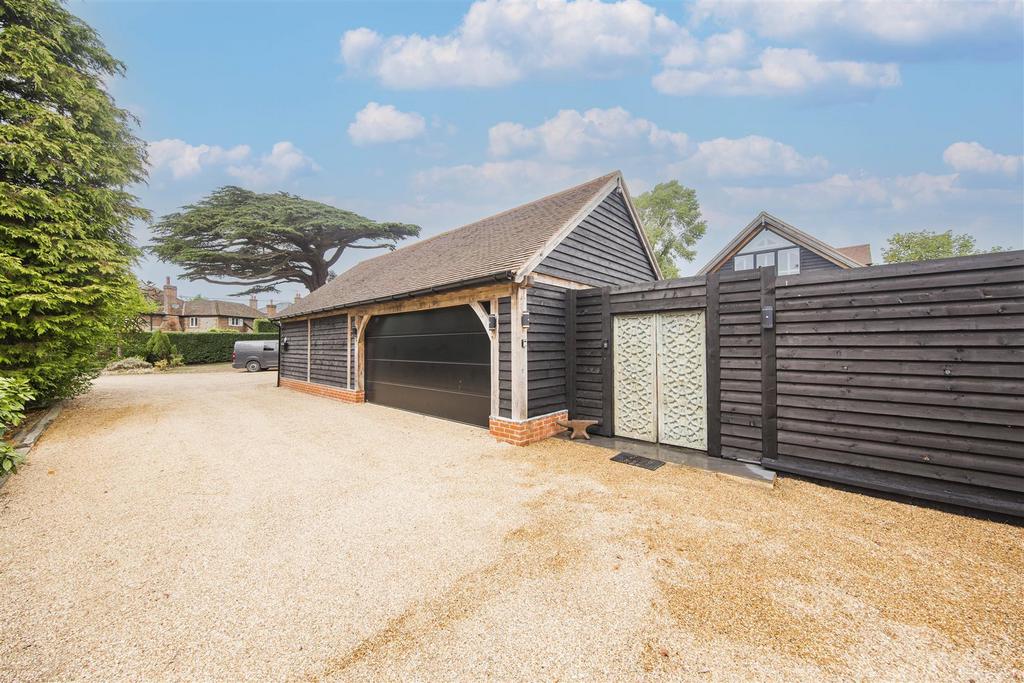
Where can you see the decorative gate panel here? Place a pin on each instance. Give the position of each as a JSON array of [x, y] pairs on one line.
[[682, 384], [635, 376]]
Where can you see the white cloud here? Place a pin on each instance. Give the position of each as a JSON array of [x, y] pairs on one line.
[[594, 133], [185, 160], [901, 22], [517, 179], [377, 123], [284, 162], [972, 157], [502, 42], [867, 191], [779, 71], [752, 156]]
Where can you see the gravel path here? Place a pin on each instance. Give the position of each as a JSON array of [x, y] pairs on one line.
[[210, 526]]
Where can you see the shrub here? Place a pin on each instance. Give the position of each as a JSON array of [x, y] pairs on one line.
[[159, 347], [194, 347], [14, 395], [263, 326], [127, 364]]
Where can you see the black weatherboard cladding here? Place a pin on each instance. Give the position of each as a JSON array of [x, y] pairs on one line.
[[604, 249], [505, 357], [293, 358], [328, 355], [907, 378], [435, 362], [546, 350]]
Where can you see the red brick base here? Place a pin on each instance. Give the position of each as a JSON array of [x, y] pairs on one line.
[[526, 432], [337, 393]]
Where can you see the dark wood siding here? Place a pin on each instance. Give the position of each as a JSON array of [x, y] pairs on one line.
[[505, 357], [604, 249], [293, 360], [328, 355], [810, 261], [546, 350], [589, 404], [739, 329], [907, 378]]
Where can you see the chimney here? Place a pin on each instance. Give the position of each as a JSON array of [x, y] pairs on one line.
[[252, 301], [297, 297], [170, 296], [271, 309]]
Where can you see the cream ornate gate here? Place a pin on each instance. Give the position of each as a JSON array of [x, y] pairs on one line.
[[660, 378], [635, 376]]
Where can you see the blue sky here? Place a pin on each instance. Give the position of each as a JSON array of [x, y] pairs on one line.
[[850, 120]]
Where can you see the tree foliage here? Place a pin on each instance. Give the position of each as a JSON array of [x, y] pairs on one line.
[[239, 237], [14, 396], [671, 217], [67, 153], [925, 244]]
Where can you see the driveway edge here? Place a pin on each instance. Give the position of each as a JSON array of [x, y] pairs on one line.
[[23, 443]]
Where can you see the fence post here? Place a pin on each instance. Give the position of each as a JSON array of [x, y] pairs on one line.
[[607, 366], [769, 424], [570, 352], [714, 372]]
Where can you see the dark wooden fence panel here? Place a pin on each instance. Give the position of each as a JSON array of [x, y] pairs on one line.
[[906, 379], [739, 329], [588, 399], [294, 360], [546, 349], [329, 354], [505, 357]]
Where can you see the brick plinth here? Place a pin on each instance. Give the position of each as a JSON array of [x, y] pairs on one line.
[[337, 393], [528, 431]]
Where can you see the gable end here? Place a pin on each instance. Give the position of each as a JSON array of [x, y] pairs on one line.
[[604, 249]]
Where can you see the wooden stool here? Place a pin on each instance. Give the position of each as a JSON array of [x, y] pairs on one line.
[[578, 427]]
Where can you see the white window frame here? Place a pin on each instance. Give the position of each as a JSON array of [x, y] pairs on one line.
[[788, 266], [235, 322], [766, 260], [193, 321], [743, 262]]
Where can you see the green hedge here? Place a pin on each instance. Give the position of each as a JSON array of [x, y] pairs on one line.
[[195, 347], [263, 326]]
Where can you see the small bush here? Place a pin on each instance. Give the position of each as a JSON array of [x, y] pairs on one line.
[[263, 326], [159, 347], [14, 394], [126, 364]]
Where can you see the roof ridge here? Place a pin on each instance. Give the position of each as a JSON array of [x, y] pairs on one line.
[[490, 217]]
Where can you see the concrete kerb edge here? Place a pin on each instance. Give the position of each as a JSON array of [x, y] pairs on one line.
[[23, 443]]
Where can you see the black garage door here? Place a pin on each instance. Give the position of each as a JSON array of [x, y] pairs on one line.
[[436, 362]]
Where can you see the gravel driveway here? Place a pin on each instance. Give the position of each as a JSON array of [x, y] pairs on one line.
[[210, 526]]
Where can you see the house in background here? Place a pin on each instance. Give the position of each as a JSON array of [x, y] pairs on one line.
[[768, 241], [200, 315]]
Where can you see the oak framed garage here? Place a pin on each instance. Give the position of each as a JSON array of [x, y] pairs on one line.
[[398, 329]]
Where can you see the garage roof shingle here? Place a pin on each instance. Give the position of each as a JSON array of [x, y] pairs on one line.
[[495, 246]]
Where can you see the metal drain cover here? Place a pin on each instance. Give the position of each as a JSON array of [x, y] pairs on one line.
[[638, 461]]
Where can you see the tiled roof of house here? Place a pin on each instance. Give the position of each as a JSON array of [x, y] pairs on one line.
[[495, 246], [861, 253], [212, 307]]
